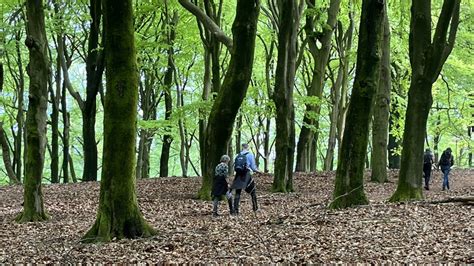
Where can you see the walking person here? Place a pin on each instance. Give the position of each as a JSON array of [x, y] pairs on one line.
[[244, 166], [428, 161], [220, 186], [446, 161]]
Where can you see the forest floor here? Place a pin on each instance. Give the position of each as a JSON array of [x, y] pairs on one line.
[[290, 228]]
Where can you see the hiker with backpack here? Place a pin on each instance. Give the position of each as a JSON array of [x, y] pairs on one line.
[[446, 161], [220, 186], [428, 161], [244, 166]]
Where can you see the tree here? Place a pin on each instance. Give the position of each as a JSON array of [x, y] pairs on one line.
[[6, 156], [171, 21], [382, 112], [38, 71], [289, 18], [426, 58], [234, 87], [306, 150], [349, 184], [118, 215]]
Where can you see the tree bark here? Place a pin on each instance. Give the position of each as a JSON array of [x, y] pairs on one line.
[[349, 184], [308, 138], [168, 82], [36, 117], [283, 95], [94, 69], [426, 58], [233, 90], [6, 156], [118, 215], [381, 113]]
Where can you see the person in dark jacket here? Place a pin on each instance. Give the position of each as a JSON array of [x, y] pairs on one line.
[[446, 161], [245, 180], [220, 186], [428, 161]]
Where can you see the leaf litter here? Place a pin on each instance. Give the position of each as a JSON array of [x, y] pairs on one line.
[[289, 228]]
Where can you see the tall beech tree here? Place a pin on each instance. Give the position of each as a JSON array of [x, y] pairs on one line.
[[94, 70], [118, 215], [319, 46], [171, 21], [36, 117], [381, 112], [289, 17], [427, 58], [349, 184], [234, 87]]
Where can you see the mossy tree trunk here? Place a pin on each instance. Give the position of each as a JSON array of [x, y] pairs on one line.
[[36, 117], [307, 141], [381, 113], [427, 58], [290, 12], [171, 21], [233, 90], [349, 184], [218, 129], [118, 214]]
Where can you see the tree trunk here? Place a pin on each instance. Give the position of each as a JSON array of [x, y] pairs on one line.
[[283, 95], [118, 215], [6, 156], [233, 90], [95, 69], [309, 137], [36, 117], [393, 145], [382, 113], [54, 137], [349, 184], [17, 157], [168, 81], [66, 119], [427, 59]]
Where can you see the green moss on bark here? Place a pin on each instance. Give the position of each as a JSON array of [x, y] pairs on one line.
[[118, 215]]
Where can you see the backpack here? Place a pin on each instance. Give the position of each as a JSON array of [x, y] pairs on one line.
[[240, 164], [427, 158]]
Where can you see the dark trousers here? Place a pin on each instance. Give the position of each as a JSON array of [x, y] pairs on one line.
[[251, 189], [427, 174]]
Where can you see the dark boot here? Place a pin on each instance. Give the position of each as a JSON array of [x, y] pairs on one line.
[[231, 207], [254, 201]]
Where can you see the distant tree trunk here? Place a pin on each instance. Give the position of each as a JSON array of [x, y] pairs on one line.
[[71, 169], [349, 184], [20, 83], [437, 136], [393, 158], [382, 112], [283, 95], [66, 119], [118, 214], [94, 69], [308, 138], [233, 90], [168, 81], [6, 156], [36, 117], [427, 58], [55, 95]]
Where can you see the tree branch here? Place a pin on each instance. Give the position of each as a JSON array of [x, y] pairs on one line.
[[208, 23]]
